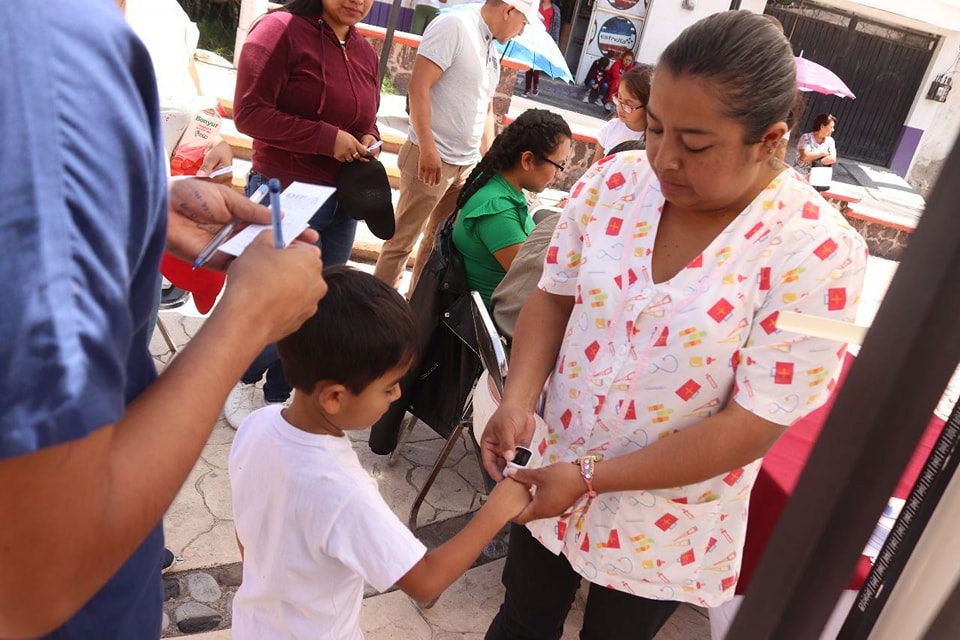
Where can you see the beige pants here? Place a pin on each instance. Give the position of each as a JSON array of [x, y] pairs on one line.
[[421, 209]]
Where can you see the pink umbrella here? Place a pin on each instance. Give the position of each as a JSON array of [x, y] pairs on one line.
[[814, 77]]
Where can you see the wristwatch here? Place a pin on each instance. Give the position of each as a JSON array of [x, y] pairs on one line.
[[587, 464]]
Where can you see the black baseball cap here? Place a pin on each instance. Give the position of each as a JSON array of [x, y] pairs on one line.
[[363, 190]]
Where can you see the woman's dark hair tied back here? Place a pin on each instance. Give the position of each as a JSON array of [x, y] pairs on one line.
[[536, 130], [747, 59], [823, 120]]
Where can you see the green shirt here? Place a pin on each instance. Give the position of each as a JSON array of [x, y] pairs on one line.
[[495, 217]]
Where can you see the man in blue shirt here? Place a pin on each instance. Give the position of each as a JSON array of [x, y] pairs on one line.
[[90, 454]]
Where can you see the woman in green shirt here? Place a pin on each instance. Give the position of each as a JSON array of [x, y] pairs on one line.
[[493, 221]]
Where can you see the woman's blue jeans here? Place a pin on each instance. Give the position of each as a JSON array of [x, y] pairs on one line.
[[337, 231]]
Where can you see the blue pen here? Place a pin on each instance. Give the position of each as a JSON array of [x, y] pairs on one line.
[[274, 185]]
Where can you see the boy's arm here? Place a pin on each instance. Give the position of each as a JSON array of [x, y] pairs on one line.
[[442, 566]]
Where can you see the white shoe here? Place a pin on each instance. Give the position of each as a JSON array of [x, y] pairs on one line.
[[242, 400], [586, 98]]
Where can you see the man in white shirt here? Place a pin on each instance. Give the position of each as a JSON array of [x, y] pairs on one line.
[[451, 120]]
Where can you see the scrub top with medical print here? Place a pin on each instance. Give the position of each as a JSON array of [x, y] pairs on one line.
[[642, 360]]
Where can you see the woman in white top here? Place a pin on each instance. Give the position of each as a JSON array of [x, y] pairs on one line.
[[817, 146], [655, 322], [631, 120]]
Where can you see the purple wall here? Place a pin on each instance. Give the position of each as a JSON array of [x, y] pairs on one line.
[[380, 14], [906, 148]]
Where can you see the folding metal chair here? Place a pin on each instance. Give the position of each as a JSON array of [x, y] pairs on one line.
[[470, 321]]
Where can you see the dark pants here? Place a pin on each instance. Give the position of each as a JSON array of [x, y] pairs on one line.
[[599, 92], [337, 231], [540, 591], [531, 78]]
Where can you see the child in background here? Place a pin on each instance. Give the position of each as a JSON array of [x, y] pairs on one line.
[[596, 81], [630, 122], [311, 522]]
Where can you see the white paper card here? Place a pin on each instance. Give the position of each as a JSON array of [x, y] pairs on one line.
[[298, 202]]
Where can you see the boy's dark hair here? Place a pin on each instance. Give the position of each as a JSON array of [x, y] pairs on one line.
[[536, 130], [361, 330], [747, 60]]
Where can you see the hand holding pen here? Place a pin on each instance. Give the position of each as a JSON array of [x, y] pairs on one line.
[[198, 211]]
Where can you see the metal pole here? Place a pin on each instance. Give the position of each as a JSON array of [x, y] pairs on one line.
[[388, 38], [573, 24]]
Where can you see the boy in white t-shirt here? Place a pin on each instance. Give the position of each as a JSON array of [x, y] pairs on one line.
[[310, 521]]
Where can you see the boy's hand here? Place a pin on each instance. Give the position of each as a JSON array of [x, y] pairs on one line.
[[509, 498]]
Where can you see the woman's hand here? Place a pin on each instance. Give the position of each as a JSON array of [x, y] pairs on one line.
[[368, 140], [346, 148], [508, 426], [559, 486]]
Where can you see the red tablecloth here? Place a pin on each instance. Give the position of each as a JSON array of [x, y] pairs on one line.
[[781, 470]]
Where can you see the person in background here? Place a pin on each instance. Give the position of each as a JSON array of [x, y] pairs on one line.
[[527, 267], [550, 17], [451, 122], [631, 120], [308, 90], [596, 81], [91, 455], [817, 147], [623, 64], [654, 323], [492, 218], [423, 13]]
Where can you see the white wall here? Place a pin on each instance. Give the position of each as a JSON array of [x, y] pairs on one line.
[[666, 19], [940, 121]]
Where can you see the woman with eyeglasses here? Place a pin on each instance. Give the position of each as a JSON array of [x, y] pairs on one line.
[[631, 120], [492, 218]]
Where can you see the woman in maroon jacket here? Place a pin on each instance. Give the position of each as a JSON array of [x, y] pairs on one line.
[[308, 89]]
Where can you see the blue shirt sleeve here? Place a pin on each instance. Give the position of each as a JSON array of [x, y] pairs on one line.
[[83, 202]]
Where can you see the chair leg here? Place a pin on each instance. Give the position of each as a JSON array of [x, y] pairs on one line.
[[437, 466], [166, 335], [406, 427]]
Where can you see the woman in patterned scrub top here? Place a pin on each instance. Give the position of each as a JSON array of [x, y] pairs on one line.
[[655, 323]]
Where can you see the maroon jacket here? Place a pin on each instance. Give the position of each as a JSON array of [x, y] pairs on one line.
[[296, 87]]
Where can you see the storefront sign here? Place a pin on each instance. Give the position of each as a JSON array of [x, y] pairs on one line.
[[616, 36]]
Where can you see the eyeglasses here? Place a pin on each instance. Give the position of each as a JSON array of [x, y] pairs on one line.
[[627, 108], [559, 165]]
